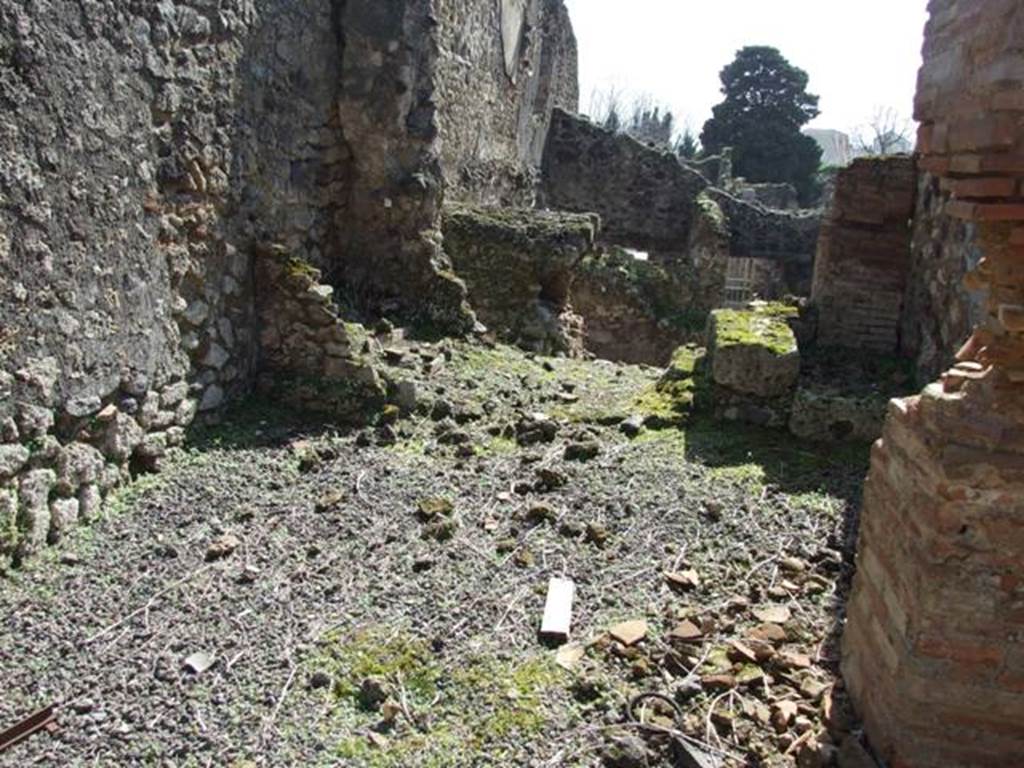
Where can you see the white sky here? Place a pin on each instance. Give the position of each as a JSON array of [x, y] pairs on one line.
[[861, 55]]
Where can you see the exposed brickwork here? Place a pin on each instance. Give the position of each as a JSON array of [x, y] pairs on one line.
[[864, 255], [933, 650]]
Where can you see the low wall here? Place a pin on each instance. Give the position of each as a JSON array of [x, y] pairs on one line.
[[646, 198]]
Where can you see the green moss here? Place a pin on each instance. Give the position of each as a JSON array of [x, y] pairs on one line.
[[763, 326], [473, 708], [680, 390], [500, 446], [9, 531], [300, 269], [396, 657]]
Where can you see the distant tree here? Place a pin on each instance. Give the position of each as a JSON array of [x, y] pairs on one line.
[[687, 146], [642, 118], [649, 122], [766, 104], [606, 108], [888, 133]]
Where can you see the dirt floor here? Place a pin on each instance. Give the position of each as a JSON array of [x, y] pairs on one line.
[[282, 595]]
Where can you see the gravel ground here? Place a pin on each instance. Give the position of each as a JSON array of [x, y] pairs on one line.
[[285, 595]]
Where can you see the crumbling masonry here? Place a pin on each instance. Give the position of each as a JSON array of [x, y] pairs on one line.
[[934, 646]]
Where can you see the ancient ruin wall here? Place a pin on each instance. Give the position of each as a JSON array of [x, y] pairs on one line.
[[931, 652], [143, 148], [939, 311], [428, 106], [646, 198], [146, 151], [492, 116], [864, 255]]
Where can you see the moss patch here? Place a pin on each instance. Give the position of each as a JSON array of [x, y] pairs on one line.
[[679, 392], [464, 709], [765, 325]]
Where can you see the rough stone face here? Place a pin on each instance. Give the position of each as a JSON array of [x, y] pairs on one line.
[[864, 255], [637, 311], [8, 525], [34, 508], [495, 95], [64, 515], [647, 198], [460, 122], [754, 363], [12, 459], [146, 149], [310, 358], [939, 310], [826, 416], [121, 436], [519, 265], [754, 352], [644, 196]]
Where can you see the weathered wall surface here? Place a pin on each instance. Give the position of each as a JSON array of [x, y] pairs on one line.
[[787, 237], [492, 117], [646, 198], [932, 652], [147, 149], [939, 312], [518, 265], [428, 107], [863, 259]]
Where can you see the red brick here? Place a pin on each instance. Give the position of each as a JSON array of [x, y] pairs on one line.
[[986, 211], [960, 652], [990, 187]]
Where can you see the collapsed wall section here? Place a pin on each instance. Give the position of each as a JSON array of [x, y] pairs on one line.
[[647, 199]]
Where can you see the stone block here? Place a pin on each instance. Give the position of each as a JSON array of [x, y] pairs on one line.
[[754, 352], [12, 458], [120, 437], [64, 514], [34, 507]]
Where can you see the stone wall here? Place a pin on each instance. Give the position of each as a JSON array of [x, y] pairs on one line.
[[939, 311], [131, 174], [640, 312], [644, 195], [863, 260], [787, 237], [646, 198], [519, 265], [310, 359], [146, 149], [428, 105], [495, 97], [932, 651]]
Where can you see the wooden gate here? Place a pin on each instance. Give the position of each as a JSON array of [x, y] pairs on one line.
[[739, 283]]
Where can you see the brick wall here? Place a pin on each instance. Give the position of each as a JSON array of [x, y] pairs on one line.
[[933, 651], [864, 254]]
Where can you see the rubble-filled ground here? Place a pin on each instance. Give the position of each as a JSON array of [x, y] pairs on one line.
[[285, 595]]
